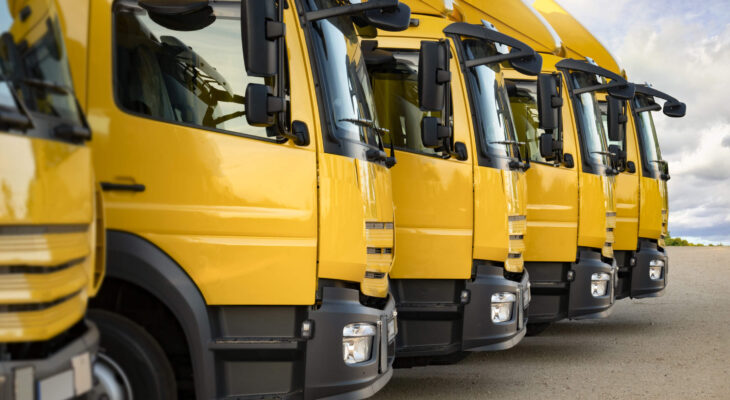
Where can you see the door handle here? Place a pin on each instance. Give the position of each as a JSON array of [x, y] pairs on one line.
[[122, 187]]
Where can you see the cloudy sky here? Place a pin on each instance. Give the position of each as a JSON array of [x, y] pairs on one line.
[[682, 48]]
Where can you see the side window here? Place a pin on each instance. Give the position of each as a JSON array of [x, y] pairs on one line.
[[523, 101], [603, 105], [395, 89], [190, 77]]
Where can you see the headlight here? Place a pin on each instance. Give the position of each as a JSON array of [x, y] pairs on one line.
[[655, 269], [502, 306], [599, 284], [357, 342]]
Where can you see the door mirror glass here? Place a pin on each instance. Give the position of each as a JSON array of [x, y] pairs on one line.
[[261, 30], [433, 75]]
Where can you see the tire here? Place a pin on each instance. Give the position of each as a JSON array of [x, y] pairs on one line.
[[139, 363], [538, 328]]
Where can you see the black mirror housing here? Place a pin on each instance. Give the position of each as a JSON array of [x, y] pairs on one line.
[[430, 132], [622, 92], [549, 102], [547, 150], [527, 65], [179, 17], [616, 119], [393, 19], [261, 105], [260, 31], [674, 109], [433, 75]]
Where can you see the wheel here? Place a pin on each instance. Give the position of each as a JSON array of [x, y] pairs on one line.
[[130, 363], [538, 328]]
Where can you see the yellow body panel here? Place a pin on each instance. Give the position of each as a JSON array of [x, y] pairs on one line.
[[627, 195], [592, 218], [48, 220], [651, 216], [250, 221]]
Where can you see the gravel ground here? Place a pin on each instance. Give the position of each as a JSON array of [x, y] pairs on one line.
[[671, 347]]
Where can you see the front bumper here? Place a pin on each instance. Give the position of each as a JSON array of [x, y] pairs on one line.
[[634, 280], [564, 290], [67, 370], [326, 374], [434, 321]]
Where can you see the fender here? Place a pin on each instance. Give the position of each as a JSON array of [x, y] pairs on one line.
[[137, 261]]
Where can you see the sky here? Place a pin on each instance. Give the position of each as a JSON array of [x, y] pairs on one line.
[[682, 48]]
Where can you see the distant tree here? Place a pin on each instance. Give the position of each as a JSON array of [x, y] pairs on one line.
[[677, 241]]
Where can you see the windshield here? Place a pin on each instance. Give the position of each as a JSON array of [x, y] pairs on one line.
[[647, 134], [591, 119], [33, 57], [494, 118], [343, 75]]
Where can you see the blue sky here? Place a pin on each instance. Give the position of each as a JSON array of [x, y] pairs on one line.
[[683, 48]]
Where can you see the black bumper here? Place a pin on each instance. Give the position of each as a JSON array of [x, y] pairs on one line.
[[634, 280], [434, 321], [326, 374], [60, 362], [263, 351], [562, 290]]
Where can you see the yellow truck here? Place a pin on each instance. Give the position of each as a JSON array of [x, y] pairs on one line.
[[570, 184], [641, 196], [459, 185], [50, 220], [247, 193]]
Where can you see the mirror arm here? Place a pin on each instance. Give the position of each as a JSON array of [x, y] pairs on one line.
[[350, 9], [599, 87], [496, 59], [653, 107]]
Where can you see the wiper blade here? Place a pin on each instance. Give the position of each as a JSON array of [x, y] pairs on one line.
[[659, 161], [367, 124], [54, 87], [605, 153], [508, 142]]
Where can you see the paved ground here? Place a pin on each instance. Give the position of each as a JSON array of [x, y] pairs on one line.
[[672, 347]]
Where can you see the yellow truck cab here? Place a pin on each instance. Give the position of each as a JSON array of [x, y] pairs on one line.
[[641, 197], [458, 187], [570, 203], [48, 213], [248, 196]]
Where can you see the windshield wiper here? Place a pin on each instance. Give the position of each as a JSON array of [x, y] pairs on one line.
[[54, 87], [605, 153], [659, 161], [367, 124], [508, 142], [14, 118]]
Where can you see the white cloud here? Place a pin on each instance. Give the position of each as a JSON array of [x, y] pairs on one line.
[[684, 50]]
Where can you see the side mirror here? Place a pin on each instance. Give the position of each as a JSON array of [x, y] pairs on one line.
[[393, 19], [531, 65], [616, 119], [618, 159], [675, 109], [179, 17], [549, 102], [622, 92], [433, 75], [261, 105], [547, 148], [433, 133], [260, 34]]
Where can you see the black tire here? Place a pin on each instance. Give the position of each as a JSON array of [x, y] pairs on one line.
[[137, 354], [537, 328]]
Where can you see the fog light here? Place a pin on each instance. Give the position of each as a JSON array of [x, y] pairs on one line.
[[655, 269], [357, 342], [502, 306], [599, 284], [393, 327]]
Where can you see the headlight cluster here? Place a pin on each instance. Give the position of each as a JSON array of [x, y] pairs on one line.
[[656, 268], [357, 342], [599, 284], [502, 306]]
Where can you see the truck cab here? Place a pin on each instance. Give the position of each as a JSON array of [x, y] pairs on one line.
[[50, 217], [248, 194], [641, 196], [459, 185]]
